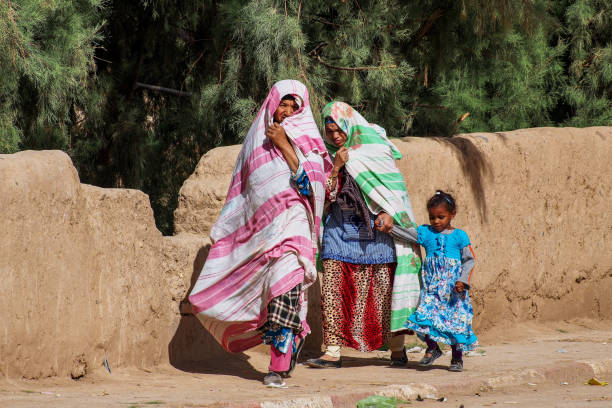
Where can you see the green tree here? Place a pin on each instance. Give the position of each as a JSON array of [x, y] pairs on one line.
[[586, 28], [137, 100], [142, 127], [46, 60]]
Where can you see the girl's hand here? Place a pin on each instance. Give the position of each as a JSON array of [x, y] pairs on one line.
[[277, 135], [459, 286], [341, 158], [384, 222]]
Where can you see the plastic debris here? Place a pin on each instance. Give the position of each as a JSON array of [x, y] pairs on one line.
[[562, 351], [379, 401], [564, 383], [475, 353], [415, 349], [595, 381], [106, 364], [532, 384], [443, 399]]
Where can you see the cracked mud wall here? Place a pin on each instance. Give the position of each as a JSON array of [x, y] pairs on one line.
[[85, 273]]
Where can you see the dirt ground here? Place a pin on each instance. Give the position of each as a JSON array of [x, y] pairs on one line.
[[522, 366], [535, 395]]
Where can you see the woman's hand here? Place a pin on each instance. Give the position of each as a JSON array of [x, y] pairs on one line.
[[340, 160], [384, 222], [277, 135], [459, 286]]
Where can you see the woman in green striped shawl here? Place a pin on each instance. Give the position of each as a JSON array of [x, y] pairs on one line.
[[370, 283]]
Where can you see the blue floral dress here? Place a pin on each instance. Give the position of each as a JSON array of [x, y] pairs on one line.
[[443, 314]]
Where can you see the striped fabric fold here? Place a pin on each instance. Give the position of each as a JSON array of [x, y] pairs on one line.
[[372, 164], [264, 241]]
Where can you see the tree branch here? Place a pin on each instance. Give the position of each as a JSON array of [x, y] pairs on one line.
[[316, 49], [191, 69], [420, 105], [161, 89], [429, 23], [324, 21], [458, 122], [227, 44], [314, 53], [327, 64]]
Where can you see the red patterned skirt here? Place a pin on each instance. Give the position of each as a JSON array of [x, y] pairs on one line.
[[356, 301]]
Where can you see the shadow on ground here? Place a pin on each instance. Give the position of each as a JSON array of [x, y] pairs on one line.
[[193, 349]]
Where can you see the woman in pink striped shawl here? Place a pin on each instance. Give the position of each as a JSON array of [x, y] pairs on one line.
[[252, 288]]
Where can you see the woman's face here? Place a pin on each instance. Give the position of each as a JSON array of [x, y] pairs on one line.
[[335, 134], [286, 108]]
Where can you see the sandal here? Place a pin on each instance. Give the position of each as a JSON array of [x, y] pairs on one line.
[[322, 363], [434, 355]]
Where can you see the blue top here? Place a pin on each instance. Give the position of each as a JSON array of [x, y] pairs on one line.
[[300, 180], [446, 243], [344, 239]]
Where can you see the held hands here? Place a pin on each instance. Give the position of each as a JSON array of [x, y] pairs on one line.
[[341, 158], [384, 222], [277, 135]]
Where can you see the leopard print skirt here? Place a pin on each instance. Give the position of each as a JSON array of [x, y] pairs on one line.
[[356, 301]]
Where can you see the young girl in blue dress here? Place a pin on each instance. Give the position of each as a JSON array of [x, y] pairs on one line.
[[445, 311]]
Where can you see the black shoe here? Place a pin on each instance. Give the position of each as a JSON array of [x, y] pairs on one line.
[[294, 357], [399, 361], [427, 361], [456, 366], [320, 363]]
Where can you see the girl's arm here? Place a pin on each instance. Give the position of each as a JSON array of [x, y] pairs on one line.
[[407, 234], [467, 264]]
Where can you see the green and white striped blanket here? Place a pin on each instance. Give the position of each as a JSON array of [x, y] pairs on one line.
[[372, 164]]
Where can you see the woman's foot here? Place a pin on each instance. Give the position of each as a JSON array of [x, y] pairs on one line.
[[456, 366], [273, 380], [431, 355], [324, 361], [399, 358]]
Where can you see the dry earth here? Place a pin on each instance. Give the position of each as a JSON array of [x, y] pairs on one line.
[[534, 357]]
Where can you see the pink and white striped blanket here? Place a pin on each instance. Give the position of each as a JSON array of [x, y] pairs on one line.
[[265, 239]]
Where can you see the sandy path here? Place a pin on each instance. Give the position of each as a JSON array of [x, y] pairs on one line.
[[547, 350]]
